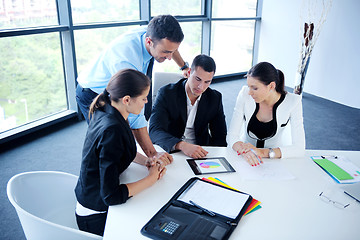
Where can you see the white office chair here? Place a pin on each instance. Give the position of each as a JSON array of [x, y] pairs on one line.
[[161, 79], [45, 203]]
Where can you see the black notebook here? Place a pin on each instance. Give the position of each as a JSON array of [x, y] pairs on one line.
[[199, 210]]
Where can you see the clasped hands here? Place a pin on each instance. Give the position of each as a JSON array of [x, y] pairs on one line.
[[251, 156], [156, 164]]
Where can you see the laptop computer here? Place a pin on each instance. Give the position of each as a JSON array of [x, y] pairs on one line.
[[352, 190]]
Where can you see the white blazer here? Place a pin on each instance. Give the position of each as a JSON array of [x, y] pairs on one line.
[[290, 135]]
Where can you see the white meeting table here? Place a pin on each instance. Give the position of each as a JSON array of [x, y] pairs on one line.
[[291, 209]]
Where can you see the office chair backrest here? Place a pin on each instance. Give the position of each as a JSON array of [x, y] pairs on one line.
[[161, 79], [45, 203]]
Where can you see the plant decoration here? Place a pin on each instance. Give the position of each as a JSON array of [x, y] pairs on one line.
[[308, 39]]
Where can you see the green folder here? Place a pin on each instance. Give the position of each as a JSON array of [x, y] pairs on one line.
[[333, 169]]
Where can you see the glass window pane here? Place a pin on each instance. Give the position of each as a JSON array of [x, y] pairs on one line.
[[232, 45], [87, 51], [234, 8], [31, 79], [90, 43], [84, 11], [189, 48], [20, 13], [176, 7]]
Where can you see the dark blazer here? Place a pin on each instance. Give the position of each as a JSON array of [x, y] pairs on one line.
[[108, 150], [169, 116]]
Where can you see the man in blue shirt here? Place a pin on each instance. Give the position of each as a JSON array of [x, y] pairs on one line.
[[136, 50]]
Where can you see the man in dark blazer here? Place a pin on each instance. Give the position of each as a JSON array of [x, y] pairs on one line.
[[188, 114]]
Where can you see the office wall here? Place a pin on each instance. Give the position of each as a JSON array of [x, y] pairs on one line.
[[333, 71]]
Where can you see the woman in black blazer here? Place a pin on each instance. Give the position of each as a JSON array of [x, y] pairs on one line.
[[109, 149]]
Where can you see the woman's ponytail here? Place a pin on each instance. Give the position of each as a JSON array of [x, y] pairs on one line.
[[99, 101], [280, 86]]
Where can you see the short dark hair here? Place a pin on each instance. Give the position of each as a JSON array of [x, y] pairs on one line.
[[205, 62], [266, 73], [164, 26]]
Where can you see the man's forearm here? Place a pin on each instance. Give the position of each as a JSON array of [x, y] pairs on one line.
[[143, 138], [140, 159], [178, 59], [180, 62]]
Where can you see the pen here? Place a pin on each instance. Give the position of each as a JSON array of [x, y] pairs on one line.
[[328, 157], [252, 150], [204, 209]]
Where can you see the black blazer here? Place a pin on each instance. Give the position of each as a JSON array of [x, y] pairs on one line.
[[108, 150], [169, 116]]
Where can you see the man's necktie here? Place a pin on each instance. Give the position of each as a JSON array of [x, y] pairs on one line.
[[148, 106]]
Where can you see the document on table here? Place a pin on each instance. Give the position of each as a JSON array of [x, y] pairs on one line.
[[215, 198], [342, 169], [273, 170]]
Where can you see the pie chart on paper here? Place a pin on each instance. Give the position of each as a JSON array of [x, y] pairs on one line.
[[209, 165]]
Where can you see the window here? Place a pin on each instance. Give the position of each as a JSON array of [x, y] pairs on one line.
[[22, 13], [32, 82], [189, 48], [232, 35], [85, 11], [232, 46], [175, 7], [91, 42], [234, 8], [44, 45]]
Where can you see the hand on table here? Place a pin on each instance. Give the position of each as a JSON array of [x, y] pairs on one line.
[[191, 150], [241, 147], [252, 158], [249, 152]]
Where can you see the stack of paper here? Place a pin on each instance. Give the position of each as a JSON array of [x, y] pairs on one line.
[[254, 205], [341, 169], [216, 199]]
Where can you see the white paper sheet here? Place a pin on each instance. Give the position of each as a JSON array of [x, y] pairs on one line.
[[216, 199], [272, 170]]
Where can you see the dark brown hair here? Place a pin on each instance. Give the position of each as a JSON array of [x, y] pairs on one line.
[[266, 73], [164, 26], [205, 62], [125, 82]]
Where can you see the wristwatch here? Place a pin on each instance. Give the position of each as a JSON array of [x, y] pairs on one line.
[[186, 65], [271, 153]]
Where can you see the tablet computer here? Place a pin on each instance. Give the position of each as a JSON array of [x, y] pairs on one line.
[[210, 165]]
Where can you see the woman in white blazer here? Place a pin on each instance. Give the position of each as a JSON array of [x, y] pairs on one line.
[[267, 121]]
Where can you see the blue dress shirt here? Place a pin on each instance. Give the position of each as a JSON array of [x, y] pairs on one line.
[[126, 51]]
